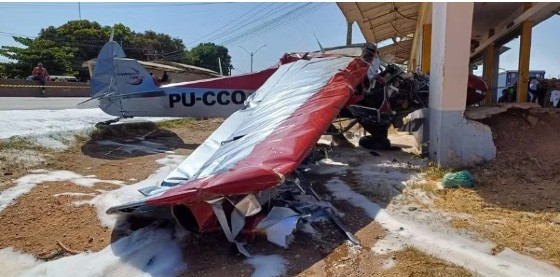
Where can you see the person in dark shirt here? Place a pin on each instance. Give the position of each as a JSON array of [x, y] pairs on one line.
[[164, 78]]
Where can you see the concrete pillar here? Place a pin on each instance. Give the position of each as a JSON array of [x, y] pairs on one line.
[[426, 47], [488, 72], [450, 54]]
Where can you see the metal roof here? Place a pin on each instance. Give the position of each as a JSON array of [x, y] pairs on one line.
[[380, 21], [400, 21]]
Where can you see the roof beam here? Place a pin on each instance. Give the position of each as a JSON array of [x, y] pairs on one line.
[[510, 26], [419, 23]]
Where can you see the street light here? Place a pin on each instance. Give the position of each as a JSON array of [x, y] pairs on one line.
[[251, 54]]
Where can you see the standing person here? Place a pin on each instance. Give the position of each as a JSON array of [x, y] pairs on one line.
[[40, 74], [533, 85], [555, 95]]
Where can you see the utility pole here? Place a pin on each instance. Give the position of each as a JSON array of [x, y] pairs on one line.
[[252, 53], [349, 33], [80, 10]]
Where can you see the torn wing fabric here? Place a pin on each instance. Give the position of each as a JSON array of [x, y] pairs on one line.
[[257, 146]]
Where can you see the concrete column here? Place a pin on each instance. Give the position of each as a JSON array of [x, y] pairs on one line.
[[524, 58], [450, 54], [426, 47], [488, 72]]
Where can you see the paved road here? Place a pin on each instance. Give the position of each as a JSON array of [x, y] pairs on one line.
[[39, 103]]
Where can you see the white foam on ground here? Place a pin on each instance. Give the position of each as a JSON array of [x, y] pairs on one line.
[[147, 252], [13, 263], [36, 122], [130, 193], [328, 166], [28, 182], [150, 251], [142, 147], [445, 244], [268, 265], [55, 128], [74, 194]]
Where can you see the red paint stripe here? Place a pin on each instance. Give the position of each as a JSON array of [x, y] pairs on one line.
[[251, 81], [282, 151]]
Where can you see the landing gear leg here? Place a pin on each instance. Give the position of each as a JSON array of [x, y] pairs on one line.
[[108, 122], [379, 138]]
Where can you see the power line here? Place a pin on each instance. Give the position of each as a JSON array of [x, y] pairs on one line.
[[238, 29], [273, 23], [15, 35], [264, 24], [240, 25], [221, 27], [109, 4]]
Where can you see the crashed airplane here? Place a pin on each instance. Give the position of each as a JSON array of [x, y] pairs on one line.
[[249, 175], [234, 180]]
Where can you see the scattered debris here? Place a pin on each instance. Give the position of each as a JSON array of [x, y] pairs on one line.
[[68, 250]]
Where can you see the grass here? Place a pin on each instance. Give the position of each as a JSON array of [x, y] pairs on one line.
[[413, 262], [435, 173], [176, 123], [17, 143], [518, 230]]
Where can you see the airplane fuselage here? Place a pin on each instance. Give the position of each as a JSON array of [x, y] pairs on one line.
[[178, 102]]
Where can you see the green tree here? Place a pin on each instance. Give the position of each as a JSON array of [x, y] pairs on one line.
[[58, 58], [63, 49], [206, 55]]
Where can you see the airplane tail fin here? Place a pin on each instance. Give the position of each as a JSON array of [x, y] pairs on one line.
[[115, 75]]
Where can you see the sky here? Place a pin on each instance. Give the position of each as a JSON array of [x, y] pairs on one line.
[[282, 27], [198, 22]]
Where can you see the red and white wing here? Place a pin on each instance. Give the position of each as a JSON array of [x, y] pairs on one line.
[[257, 146]]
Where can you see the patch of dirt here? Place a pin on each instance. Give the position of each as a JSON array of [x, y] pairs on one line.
[[516, 199], [525, 175], [38, 220]]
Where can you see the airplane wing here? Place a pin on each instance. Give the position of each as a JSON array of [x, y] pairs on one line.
[[257, 146]]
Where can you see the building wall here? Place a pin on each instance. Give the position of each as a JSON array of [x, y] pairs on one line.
[[23, 88]]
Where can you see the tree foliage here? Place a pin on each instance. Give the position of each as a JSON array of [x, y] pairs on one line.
[[206, 55], [63, 49]]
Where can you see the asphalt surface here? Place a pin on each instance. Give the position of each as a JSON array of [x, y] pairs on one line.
[[40, 103]]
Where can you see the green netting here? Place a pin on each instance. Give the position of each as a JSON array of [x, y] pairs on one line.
[[458, 179]]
